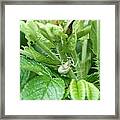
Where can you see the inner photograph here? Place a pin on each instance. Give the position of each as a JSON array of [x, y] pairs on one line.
[[59, 59]]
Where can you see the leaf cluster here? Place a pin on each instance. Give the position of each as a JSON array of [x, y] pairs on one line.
[[59, 59]]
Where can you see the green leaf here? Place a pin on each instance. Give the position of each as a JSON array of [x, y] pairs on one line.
[[84, 50], [51, 32], [23, 27], [37, 56], [78, 26], [44, 40], [32, 26], [47, 50], [95, 36], [85, 62], [77, 90], [80, 90], [24, 76], [32, 33], [92, 77], [92, 91], [85, 66], [42, 88], [72, 42], [29, 29], [34, 66]]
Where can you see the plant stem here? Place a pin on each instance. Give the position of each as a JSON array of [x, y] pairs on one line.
[[84, 32], [72, 75]]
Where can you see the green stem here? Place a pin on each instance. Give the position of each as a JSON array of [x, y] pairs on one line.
[[84, 32], [72, 75]]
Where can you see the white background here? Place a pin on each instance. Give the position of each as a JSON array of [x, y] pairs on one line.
[[15, 106]]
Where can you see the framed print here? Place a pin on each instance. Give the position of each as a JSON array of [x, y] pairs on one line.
[[60, 59]]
